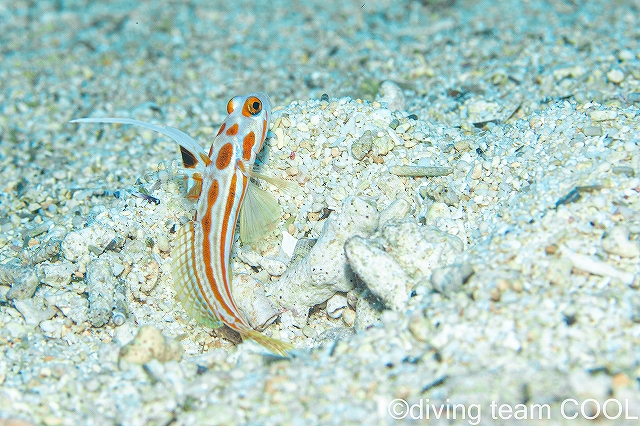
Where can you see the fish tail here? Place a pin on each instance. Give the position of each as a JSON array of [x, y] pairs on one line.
[[274, 345]]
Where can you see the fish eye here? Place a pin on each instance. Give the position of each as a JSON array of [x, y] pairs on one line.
[[252, 106]]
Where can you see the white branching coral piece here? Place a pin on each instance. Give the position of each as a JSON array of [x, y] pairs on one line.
[[324, 270]]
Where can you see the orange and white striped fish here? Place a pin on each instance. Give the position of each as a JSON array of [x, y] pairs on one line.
[[220, 182]]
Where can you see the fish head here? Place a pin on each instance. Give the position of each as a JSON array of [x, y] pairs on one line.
[[245, 128]]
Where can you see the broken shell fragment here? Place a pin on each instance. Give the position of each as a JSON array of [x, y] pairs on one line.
[[420, 171]]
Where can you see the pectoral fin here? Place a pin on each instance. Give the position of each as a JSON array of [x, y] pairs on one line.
[[286, 186], [260, 211]]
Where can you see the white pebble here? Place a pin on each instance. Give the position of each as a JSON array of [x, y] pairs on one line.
[[336, 304], [615, 76]]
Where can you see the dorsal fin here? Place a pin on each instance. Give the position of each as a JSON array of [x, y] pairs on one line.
[[195, 153], [189, 161]]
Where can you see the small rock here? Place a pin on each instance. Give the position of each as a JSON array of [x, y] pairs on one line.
[[23, 279], [249, 256], [348, 317], [450, 279], [71, 304], [336, 304], [15, 330], [76, 244], [419, 328], [476, 172], [51, 328], [623, 170], [288, 245], [352, 298], [603, 115], [163, 243], [615, 76], [462, 146], [379, 271], [274, 267], [34, 310], [592, 131], [419, 249], [625, 55], [594, 266], [101, 287], [150, 273], [403, 128], [368, 310], [309, 332], [511, 342], [398, 209], [117, 268], [333, 334], [253, 302], [382, 145], [426, 171], [617, 242], [150, 344], [279, 132], [392, 94], [58, 274], [362, 146], [559, 272]]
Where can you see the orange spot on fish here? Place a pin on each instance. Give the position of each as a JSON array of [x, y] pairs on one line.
[[247, 145], [222, 128], [233, 130], [230, 106], [224, 156], [212, 196]]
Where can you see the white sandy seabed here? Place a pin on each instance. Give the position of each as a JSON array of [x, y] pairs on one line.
[[462, 247]]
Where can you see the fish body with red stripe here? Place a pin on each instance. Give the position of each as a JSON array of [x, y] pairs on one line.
[[220, 181]]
